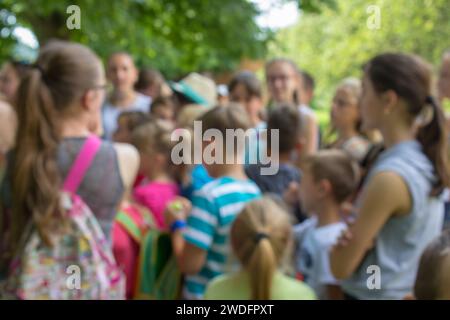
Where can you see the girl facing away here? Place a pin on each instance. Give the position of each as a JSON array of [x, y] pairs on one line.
[[159, 186], [260, 237], [58, 108]]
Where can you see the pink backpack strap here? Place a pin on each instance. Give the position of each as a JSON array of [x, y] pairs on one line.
[[81, 164]]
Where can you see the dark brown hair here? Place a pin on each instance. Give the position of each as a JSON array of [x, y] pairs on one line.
[[249, 81], [286, 119], [135, 119], [167, 102], [338, 168], [308, 81], [149, 77], [433, 265], [410, 78], [63, 72]]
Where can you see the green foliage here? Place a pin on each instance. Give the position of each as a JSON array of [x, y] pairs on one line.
[[176, 36], [337, 42], [316, 6], [6, 39]]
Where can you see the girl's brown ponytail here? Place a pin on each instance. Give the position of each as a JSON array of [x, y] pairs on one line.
[[48, 94], [35, 179], [410, 78], [433, 137]]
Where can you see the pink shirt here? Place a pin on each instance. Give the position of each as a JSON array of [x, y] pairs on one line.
[[155, 196]]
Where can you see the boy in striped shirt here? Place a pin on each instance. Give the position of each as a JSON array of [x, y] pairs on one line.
[[201, 244]]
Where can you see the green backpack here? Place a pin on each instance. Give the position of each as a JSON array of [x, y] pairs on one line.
[[158, 276]]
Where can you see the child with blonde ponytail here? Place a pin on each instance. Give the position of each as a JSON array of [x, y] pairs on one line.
[[260, 236]]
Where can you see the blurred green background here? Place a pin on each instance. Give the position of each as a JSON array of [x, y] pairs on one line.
[[331, 39]]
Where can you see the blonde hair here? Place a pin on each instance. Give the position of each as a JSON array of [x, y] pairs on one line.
[[231, 116], [353, 85], [354, 88], [259, 238], [189, 114], [153, 136]]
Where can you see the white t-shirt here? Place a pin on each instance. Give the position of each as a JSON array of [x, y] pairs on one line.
[[110, 113], [312, 253]]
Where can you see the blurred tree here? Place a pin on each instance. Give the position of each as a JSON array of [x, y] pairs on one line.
[[7, 40], [176, 36], [316, 6], [337, 42]]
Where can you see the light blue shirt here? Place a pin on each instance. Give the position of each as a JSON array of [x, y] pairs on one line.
[[110, 113], [402, 239]]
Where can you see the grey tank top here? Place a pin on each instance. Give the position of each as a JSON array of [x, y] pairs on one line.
[[102, 187], [401, 240]]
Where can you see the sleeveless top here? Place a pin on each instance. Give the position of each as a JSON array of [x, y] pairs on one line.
[[401, 241], [102, 188]]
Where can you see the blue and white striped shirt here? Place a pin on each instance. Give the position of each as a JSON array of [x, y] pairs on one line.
[[214, 208]]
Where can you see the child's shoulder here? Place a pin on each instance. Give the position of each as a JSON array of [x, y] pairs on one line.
[[308, 224], [293, 289], [220, 281], [205, 190], [224, 286]]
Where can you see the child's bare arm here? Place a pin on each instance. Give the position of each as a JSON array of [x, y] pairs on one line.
[[353, 244], [311, 130], [190, 258]]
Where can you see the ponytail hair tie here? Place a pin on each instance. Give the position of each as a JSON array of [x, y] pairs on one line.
[[427, 113], [41, 71], [259, 236], [430, 100]]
